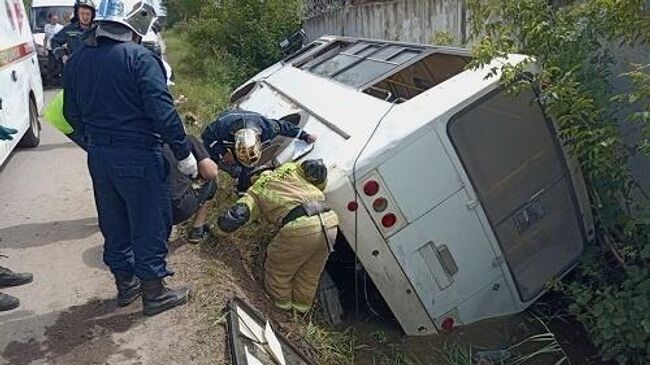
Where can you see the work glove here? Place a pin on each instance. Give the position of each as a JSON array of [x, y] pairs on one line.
[[5, 133], [188, 166], [234, 218]]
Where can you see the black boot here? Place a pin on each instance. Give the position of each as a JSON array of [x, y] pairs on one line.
[[7, 302], [157, 297], [9, 278], [198, 234], [128, 290]]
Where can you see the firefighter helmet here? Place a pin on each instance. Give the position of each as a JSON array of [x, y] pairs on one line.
[[248, 147], [136, 15], [315, 171]]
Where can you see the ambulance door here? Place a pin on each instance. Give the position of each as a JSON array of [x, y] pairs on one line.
[[15, 55]]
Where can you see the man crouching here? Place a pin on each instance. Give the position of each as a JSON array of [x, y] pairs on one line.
[[291, 197]]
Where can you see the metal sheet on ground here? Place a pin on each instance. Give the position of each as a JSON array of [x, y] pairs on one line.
[[254, 341]]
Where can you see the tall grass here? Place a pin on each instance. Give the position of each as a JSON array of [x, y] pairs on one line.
[[203, 83]]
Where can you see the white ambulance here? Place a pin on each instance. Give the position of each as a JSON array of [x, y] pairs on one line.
[[21, 91], [457, 198]]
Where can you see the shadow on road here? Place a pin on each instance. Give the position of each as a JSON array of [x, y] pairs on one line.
[[80, 335], [47, 147], [41, 234], [94, 257]]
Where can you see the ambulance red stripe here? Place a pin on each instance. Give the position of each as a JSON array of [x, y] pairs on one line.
[[16, 53]]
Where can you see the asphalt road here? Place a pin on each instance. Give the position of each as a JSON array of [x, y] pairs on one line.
[[48, 226]]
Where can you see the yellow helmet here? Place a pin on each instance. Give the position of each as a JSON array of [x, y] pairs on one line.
[[248, 147]]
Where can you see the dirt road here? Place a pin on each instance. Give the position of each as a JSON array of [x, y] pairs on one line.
[[48, 226]]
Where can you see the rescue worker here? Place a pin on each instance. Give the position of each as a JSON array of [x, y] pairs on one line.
[[68, 40], [290, 197], [233, 130], [116, 96]]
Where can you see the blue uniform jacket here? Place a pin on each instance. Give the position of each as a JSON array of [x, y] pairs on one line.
[[119, 90], [71, 35], [220, 134]]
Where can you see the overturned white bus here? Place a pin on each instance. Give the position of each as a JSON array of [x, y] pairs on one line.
[[457, 198]]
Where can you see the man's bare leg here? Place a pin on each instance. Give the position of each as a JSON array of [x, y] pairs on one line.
[[201, 216], [199, 227]]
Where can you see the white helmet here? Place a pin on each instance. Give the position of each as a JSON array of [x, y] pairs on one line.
[[137, 15]]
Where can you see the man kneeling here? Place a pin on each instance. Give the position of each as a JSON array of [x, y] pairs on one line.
[[290, 197], [188, 200]]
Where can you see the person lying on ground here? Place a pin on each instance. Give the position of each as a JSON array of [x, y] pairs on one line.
[[290, 197], [235, 139]]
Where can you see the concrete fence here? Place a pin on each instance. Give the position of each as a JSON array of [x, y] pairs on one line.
[[415, 21]]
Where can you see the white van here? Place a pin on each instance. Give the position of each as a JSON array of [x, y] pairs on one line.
[[38, 17], [21, 91], [457, 198]]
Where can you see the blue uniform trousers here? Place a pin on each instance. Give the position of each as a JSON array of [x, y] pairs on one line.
[[134, 208]]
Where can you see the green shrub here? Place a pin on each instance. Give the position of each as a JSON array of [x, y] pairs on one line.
[[611, 288], [203, 83], [182, 10], [249, 31]]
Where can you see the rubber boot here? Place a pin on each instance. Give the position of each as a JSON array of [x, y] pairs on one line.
[[9, 278], [7, 302], [157, 297], [128, 290]]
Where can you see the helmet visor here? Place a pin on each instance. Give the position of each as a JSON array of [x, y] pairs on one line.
[[137, 15]]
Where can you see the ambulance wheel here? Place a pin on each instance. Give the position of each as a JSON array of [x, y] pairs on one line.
[[33, 135]]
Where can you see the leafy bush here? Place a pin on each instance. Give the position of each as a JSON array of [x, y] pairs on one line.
[[611, 288], [249, 31], [202, 83], [182, 10]]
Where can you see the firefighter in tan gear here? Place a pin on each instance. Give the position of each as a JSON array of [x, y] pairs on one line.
[[291, 197]]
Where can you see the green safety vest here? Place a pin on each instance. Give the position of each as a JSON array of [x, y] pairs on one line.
[[54, 115]]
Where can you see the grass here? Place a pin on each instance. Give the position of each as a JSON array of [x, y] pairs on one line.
[[198, 84], [540, 348]]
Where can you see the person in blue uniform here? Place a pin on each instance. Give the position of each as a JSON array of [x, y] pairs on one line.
[[116, 96], [235, 139], [68, 40]]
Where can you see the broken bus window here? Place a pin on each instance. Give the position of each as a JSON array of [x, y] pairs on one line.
[[387, 71]]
